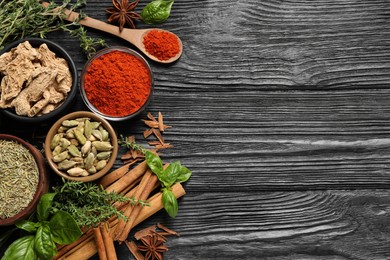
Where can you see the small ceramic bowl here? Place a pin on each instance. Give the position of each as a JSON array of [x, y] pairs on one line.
[[118, 86], [43, 183], [61, 53], [61, 167]]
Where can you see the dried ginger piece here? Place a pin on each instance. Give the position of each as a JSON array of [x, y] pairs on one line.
[[17, 70], [35, 81]]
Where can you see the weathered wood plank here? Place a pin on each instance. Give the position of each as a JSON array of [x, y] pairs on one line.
[[279, 225], [271, 140]]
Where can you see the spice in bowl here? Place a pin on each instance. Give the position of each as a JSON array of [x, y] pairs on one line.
[[116, 83], [19, 176], [81, 146], [35, 81]]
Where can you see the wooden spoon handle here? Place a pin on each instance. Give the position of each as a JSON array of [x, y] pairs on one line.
[[99, 25]]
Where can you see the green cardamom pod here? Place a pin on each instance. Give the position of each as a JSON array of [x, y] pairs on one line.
[[55, 141], [88, 162], [80, 136], [86, 148], [100, 164], [60, 157], [66, 164], [70, 123], [103, 155], [87, 129], [74, 151], [102, 146], [77, 171]]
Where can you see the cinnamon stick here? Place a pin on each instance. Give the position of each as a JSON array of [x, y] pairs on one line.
[[113, 176], [108, 243], [134, 250], [137, 208], [88, 248], [129, 178], [121, 222], [101, 248], [160, 122]]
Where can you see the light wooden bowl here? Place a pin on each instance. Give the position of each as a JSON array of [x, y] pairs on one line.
[[81, 114], [43, 184]]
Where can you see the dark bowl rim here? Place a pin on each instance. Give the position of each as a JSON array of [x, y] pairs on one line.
[[105, 51], [60, 52], [41, 183]]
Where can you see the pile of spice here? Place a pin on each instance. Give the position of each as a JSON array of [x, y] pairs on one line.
[[19, 177], [81, 147], [35, 81], [161, 44], [117, 83]]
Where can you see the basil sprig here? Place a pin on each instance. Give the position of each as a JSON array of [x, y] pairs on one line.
[[61, 228], [174, 173], [156, 11]]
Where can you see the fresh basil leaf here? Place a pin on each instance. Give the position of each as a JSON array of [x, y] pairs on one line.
[[156, 11], [170, 203], [28, 226], [171, 173], [184, 174], [64, 228], [44, 205], [21, 249], [154, 162], [43, 243]]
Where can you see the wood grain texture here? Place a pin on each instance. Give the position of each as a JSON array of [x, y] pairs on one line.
[[280, 225], [281, 110]]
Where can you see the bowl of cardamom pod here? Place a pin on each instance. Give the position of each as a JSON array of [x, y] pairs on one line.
[[24, 179], [81, 146]]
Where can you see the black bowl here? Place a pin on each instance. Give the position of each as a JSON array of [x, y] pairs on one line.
[[60, 52]]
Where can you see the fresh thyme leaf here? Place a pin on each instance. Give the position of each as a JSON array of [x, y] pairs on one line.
[[88, 203], [28, 18]]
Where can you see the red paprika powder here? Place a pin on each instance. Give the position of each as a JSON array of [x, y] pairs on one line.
[[117, 83], [161, 44]]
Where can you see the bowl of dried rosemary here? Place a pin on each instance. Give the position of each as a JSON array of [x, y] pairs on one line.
[[39, 80], [81, 146], [23, 177]]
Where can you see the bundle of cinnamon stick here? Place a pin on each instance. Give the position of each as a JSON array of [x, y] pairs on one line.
[[139, 183]]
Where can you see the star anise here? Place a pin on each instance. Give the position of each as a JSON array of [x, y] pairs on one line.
[[153, 246], [123, 13]]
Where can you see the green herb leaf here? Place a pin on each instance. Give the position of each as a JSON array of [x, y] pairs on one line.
[[171, 173], [156, 11], [170, 202], [27, 225], [184, 175], [20, 249], [64, 228], [44, 205], [43, 243], [154, 162]]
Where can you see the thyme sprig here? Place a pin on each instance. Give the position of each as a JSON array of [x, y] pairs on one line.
[[88, 203], [125, 141], [28, 18]]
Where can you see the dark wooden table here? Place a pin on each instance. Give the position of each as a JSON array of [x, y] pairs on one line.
[[281, 110]]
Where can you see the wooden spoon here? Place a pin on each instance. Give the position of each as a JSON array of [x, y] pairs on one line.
[[134, 36]]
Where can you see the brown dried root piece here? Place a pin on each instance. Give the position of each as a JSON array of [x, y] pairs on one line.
[[34, 81]]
